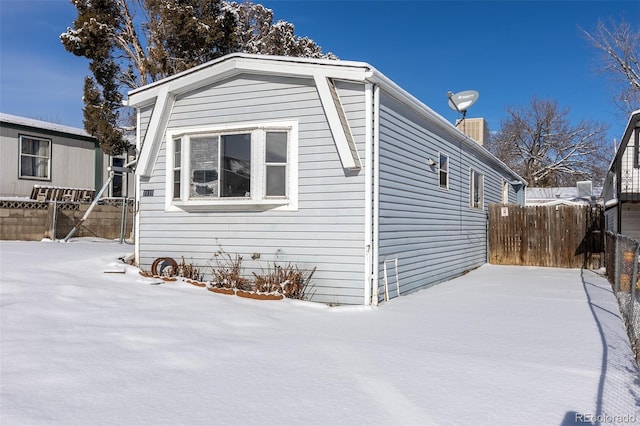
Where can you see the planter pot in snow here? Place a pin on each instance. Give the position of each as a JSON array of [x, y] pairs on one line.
[[259, 296], [218, 290]]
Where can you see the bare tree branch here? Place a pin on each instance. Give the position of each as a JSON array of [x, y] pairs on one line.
[[619, 45]]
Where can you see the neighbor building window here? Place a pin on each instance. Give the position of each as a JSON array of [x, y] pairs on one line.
[[35, 158], [117, 188], [477, 189], [443, 171], [218, 167]]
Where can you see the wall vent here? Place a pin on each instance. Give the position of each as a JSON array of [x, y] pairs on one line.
[[584, 189]]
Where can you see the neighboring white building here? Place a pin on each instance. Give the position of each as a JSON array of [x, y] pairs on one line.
[[621, 192], [321, 163], [582, 193]]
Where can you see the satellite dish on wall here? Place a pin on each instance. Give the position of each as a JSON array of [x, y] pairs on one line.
[[461, 101]]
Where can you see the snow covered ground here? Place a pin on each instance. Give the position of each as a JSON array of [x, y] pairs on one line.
[[498, 346]]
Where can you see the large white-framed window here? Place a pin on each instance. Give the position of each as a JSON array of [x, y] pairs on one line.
[[242, 165], [35, 158], [443, 170], [476, 199]]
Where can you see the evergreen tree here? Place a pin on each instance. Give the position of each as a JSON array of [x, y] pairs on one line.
[[102, 98], [126, 51], [258, 34]]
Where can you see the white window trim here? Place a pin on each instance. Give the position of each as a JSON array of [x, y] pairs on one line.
[[472, 177], [446, 187], [258, 200]]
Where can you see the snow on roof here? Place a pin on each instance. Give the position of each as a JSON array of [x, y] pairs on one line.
[[39, 124]]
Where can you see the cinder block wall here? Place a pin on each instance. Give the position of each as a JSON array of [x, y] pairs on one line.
[[33, 221], [26, 221]]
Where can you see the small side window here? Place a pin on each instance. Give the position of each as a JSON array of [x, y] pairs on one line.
[[636, 143], [505, 192], [477, 188], [276, 164], [443, 171], [177, 166]]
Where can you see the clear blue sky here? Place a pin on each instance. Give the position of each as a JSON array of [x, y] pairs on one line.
[[508, 51]]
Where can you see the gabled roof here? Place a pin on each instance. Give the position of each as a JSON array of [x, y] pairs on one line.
[[162, 95], [44, 125], [634, 122], [608, 191]]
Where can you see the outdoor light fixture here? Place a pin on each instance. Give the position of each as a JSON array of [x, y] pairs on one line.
[[430, 162]]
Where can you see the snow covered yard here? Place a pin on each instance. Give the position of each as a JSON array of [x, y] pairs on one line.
[[498, 346]]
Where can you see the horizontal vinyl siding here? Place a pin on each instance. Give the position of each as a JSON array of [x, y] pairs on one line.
[[432, 232], [326, 232], [630, 220]]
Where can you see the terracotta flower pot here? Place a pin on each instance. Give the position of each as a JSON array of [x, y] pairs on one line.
[[219, 290], [259, 296]]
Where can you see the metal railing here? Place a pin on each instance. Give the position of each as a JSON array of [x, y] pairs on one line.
[[623, 272]]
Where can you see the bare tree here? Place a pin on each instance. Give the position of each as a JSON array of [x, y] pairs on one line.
[[619, 46], [541, 145]]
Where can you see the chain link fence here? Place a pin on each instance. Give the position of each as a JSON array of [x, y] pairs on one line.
[[111, 219], [623, 272]]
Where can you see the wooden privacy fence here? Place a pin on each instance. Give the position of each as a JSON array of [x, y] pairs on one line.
[[558, 235]]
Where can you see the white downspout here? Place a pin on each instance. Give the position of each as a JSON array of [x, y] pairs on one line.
[[376, 193], [138, 194], [368, 198]]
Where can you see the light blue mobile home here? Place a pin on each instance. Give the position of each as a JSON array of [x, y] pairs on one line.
[[321, 163]]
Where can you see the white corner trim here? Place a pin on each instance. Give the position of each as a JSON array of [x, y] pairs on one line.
[[151, 143], [338, 124]]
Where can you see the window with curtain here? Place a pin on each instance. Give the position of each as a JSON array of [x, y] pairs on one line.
[[35, 158]]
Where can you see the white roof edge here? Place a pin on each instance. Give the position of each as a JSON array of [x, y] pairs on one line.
[[269, 64], [626, 135], [403, 95], [45, 125], [239, 62]]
